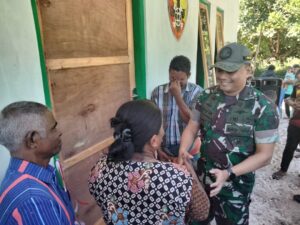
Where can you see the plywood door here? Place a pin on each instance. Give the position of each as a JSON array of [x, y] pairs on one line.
[[88, 49]]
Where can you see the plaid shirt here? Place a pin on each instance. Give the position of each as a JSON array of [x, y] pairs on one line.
[[172, 122]]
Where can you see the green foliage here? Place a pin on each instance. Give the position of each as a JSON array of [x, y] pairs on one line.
[[276, 23], [279, 72], [281, 68]]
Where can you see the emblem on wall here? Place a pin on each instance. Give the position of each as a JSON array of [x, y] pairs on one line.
[[178, 14]]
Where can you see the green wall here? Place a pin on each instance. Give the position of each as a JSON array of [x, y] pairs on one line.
[[139, 47]]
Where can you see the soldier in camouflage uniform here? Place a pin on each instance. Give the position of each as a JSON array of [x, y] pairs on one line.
[[239, 128]]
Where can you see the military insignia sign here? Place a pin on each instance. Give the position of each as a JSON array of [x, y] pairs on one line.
[[225, 53], [177, 14]]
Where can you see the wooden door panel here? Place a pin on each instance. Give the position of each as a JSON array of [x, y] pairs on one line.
[[84, 28], [88, 49], [84, 101]]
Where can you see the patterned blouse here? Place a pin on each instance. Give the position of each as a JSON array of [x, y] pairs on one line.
[[141, 192]]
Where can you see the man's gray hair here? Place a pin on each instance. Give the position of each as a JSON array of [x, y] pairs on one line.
[[19, 118]]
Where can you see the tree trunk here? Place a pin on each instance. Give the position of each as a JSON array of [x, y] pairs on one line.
[[257, 48], [277, 44]]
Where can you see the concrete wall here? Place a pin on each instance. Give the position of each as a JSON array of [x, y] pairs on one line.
[[231, 18], [20, 71], [162, 46]]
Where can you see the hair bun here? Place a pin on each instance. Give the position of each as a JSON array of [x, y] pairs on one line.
[[124, 136], [134, 124], [115, 121]]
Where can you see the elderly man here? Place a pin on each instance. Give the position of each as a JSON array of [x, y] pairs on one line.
[[239, 130], [29, 193]]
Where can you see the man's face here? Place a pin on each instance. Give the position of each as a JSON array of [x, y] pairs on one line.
[[180, 76], [232, 83], [51, 144]]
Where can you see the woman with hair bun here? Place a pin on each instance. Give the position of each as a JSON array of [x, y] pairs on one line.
[[132, 186]]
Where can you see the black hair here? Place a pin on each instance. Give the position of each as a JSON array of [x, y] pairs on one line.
[[19, 118], [297, 73], [271, 67], [296, 66], [181, 63], [134, 125]]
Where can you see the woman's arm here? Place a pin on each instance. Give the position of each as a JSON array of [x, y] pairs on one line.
[[187, 139], [199, 205]]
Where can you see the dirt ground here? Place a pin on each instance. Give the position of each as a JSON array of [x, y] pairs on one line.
[[272, 200]]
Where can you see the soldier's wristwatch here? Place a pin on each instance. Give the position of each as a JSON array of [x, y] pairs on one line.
[[232, 175]]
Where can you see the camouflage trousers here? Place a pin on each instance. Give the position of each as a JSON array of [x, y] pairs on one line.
[[229, 207], [234, 211]]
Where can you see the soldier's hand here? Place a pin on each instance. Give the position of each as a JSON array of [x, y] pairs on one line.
[[221, 177], [183, 156]]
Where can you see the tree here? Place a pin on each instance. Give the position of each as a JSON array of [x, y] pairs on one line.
[[271, 28]]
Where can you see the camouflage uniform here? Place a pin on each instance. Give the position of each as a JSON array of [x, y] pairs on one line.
[[231, 126]]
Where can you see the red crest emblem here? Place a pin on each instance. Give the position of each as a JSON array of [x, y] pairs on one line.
[[178, 14]]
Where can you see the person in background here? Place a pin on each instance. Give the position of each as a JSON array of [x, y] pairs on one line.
[[239, 125], [293, 131], [296, 68], [131, 186], [175, 100], [288, 83], [30, 193], [270, 72]]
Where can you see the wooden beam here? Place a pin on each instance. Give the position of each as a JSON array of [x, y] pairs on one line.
[[58, 64], [87, 153]]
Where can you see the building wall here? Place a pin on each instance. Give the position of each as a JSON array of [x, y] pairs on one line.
[[20, 71], [231, 18], [161, 45]]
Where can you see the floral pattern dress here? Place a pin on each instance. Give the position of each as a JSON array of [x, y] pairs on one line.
[[141, 192]]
